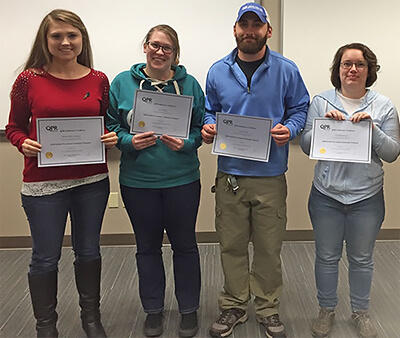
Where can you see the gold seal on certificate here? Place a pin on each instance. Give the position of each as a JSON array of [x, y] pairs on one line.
[[246, 137], [70, 141], [342, 141], [162, 113]]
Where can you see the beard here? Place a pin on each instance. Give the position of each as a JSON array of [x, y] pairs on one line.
[[252, 46]]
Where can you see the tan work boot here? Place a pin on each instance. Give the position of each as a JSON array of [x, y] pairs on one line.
[[323, 325], [360, 319]]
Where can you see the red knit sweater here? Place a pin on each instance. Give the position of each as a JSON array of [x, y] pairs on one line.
[[36, 94]]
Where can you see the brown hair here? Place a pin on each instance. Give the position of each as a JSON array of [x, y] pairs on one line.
[[40, 55], [369, 56], [172, 34]]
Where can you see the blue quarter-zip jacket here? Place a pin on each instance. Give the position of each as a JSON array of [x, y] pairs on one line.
[[353, 182], [277, 91]]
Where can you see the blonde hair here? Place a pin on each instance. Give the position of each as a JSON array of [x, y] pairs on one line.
[[172, 34], [40, 55]]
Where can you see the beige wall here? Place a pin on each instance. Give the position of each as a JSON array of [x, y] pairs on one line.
[[13, 221]]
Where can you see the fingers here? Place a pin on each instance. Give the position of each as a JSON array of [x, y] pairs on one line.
[[110, 140], [337, 115], [357, 117], [281, 141], [280, 134], [172, 143], [31, 148], [208, 132], [148, 139], [144, 140]]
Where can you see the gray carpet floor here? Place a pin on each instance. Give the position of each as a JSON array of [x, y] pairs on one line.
[[123, 316]]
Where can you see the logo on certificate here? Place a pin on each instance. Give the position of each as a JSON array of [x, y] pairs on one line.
[[141, 124], [325, 127], [322, 150], [222, 146], [228, 122], [49, 154]]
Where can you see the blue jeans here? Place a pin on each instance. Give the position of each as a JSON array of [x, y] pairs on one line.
[[47, 216], [175, 210], [358, 224]]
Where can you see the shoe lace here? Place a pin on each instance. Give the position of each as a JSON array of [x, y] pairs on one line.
[[223, 318], [274, 321], [323, 314], [363, 319]]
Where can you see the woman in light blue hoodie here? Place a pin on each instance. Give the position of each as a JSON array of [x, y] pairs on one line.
[[346, 201]]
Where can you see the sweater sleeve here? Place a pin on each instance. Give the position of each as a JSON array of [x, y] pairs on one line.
[[297, 101], [17, 129], [105, 98], [386, 136]]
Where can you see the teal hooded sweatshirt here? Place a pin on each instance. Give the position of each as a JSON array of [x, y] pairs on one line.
[[156, 166]]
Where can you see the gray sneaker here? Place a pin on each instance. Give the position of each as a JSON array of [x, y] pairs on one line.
[[274, 328], [227, 321], [360, 319], [323, 325]]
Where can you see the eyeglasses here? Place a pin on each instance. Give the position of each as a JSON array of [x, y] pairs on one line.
[[154, 46], [349, 64]]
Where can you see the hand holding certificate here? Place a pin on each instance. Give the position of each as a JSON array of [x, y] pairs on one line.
[[70, 141], [163, 113], [240, 136], [343, 141]]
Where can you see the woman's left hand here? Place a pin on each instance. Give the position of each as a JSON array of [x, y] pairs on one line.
[[109, 139], [357, 117], [172, 143]]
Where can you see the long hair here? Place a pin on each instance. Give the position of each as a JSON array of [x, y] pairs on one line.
[[171, 33], [40, 55], [369, 56]]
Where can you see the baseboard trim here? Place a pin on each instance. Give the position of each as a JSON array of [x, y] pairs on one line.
[[13, 242]]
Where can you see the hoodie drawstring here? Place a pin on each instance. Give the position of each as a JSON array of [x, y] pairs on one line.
[[155, 83]]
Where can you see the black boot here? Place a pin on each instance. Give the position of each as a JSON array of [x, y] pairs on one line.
[[87, 277], [43, 290]]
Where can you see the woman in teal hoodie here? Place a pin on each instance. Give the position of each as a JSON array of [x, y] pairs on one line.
[[160, 181]]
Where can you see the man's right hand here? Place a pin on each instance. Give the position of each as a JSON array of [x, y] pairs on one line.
[[208, 132]]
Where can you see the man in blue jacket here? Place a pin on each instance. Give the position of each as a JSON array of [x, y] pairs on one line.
[[251, 195]]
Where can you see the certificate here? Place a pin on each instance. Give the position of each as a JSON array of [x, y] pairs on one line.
[[70, 141], [246, 137], [342, 141], [162, 113]]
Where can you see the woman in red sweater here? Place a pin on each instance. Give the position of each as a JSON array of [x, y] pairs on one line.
[[58, 81]]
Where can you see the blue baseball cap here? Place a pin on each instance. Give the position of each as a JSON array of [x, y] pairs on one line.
[[255, 8]]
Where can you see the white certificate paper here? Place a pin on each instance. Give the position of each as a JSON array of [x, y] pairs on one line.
[[163, 113], [342, 141], [70, 141], [246, 137]]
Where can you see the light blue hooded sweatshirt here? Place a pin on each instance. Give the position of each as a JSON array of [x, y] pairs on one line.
[[353, 182]]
